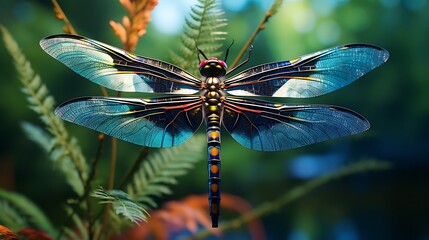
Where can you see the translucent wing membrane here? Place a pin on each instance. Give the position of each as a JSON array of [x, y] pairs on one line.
[[158, 122], [268, 126], [117, 69], [310, 75]]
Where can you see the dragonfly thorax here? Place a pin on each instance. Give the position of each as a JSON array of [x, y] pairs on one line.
[[213, 94], [213, 84]]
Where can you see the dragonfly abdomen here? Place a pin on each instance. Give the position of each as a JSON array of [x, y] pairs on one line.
[[213, 107], [213, 150]]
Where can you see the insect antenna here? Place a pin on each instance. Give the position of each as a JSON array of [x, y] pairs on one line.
[[243, 62], [227, 50], [200, 52]]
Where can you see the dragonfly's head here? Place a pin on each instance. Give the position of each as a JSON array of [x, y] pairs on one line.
[[212, 67]]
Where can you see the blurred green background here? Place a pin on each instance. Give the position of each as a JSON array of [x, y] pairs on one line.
[[395, 98]]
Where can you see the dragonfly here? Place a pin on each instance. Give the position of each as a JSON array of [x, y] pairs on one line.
[[215, 98]]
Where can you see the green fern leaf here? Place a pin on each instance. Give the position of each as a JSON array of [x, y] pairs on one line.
[[161, 169], [123, 204], [57, 155], [11, 217], [37, 135], [203, 27], [71, 161], [18, 212], [79, 231]]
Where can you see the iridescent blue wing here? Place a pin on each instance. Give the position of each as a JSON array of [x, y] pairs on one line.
[[117, 69], [158, 122], [310, 75], [267, 126]]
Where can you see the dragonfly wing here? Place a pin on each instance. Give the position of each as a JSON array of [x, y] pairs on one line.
[[310, 75], [158, 122], [117, 69], [267, 126]]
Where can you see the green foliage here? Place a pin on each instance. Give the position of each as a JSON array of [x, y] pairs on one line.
[[38, 135], [153, 176], [157, 172], [80, 231], [160, 169], [18, 212], [123, 204], [64, 150], [56, 154], [203, 28]]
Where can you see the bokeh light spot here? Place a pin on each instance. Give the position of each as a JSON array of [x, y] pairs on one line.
[[169, 16], [328, 32], [345, 230], [309, 166], [303, 19], [297, 234], [236, 5]]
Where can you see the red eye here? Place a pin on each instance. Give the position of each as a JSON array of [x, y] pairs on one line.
[[212, 60], [222, 63], [203, 63]]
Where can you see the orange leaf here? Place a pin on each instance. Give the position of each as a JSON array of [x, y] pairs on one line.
[[126, 22], [135, 24], [127, 5], [119, 31], [7, 234], [190, 214]]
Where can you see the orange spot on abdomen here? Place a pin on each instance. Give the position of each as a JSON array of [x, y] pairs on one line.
[[214, 135], [214, 151], [214, 187], [214, 169]]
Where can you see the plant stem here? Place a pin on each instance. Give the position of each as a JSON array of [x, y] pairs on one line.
[[87, 184], [273, 9], [134, 168], [112, 164], [110, 185], [91, 177], [61, 16]]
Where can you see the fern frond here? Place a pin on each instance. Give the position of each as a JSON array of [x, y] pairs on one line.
[[203, 27], [122, 204], [18, 212], [56, 154], [80, 231], [65, 150], [11, 217], [160, 169], [37, 135]]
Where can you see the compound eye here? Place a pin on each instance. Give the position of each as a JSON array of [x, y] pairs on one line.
[[222, 63], [203, 63]]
